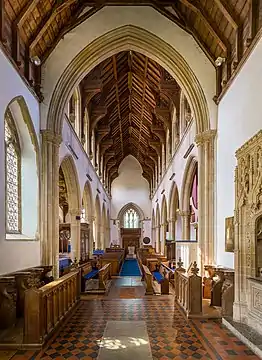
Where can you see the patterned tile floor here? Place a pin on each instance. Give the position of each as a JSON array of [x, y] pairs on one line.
[[171, 335]]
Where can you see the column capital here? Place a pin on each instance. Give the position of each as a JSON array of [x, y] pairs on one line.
[[51, 137], [184, 213], [74, 212], [205, 136]]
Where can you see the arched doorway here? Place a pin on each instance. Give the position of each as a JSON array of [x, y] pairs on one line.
[[158, 243]]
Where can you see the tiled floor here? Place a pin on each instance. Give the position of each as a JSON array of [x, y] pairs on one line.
[[171, 335]]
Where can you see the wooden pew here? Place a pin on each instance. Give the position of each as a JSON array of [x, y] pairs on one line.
[[47, 307], [8, 295], [87, 273], [161, 276], [115, 258], [104, 275], [148, 277]]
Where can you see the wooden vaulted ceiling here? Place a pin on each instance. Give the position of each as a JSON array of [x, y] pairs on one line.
[[130, 110], [222, 28]]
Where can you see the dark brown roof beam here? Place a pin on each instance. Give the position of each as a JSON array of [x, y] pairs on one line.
[[97, 114], [2, 21], [229, 13], [58, 8], [26, 10], [118, 102], [161, 9], [75, 20], [159, 132], [197, 38], [164, 115], [252, 20], [197, 7], [129, 2], [101, 132], [106, 145]]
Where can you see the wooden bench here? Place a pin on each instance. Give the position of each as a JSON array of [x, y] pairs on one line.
[[104, 275], [148, 277], [161, 276], [87, 273]]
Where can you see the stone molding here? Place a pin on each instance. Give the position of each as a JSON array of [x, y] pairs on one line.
[[127, 38]]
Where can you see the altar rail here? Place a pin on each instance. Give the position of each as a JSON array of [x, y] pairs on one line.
[[46, 308], [188, 291]]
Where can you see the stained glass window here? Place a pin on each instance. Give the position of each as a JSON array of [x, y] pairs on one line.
[[131, 219], [12, 177]]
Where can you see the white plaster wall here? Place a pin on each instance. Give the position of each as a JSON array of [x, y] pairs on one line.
[[110, 18], [14, 255], [83, 165], [239, 118], [130, 186]]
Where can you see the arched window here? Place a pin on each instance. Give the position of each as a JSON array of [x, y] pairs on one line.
[[131, 219], [12, 176]]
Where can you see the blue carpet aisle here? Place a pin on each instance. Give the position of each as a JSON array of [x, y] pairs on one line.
[[130, 268]]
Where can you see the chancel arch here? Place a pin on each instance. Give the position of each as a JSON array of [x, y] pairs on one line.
[[73, 197], [21, 172]]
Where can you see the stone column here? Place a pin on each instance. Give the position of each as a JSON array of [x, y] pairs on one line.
[[102, 236], [206, 199], [158, 239], [50, 200], [185, 217], [163, 238], [91, 235], [75, 226], [172, 228]]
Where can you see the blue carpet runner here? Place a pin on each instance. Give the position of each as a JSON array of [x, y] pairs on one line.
[[130, 268]]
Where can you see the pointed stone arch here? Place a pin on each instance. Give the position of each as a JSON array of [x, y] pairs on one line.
[[71, 178], [158, 225], [97, 223], [164, 223], [126, 38], [188, 178], [88, 201], [104, 239], [173, 202]]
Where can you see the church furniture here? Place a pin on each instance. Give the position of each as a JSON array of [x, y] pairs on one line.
[[215, 281], [160, 276], [47, 307], [116, 259], [130, 237], [8, 299], [64, 238], [104, 275], [228, 292], [114, 249], [87, 272], [169, 271], [189, 291], [148, 278], [84, 241], [171, 250]]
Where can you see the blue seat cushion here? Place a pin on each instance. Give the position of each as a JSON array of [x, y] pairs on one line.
[[64, 263], [91, 274], [158, 276]]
